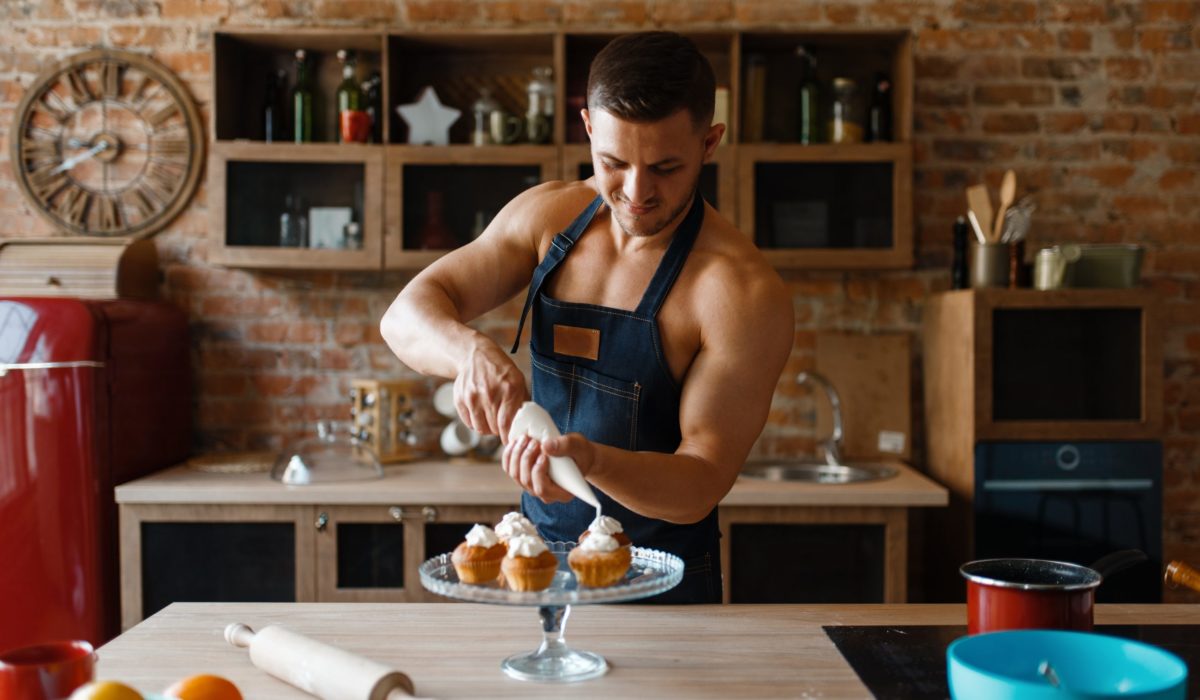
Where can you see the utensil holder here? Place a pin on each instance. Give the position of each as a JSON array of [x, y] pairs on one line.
[[989, 265]]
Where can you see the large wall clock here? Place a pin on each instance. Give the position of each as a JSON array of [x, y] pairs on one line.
[[108, 143]]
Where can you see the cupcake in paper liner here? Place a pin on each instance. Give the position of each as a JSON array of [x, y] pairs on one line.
[[599, 560], [477, 560], [529, 564]]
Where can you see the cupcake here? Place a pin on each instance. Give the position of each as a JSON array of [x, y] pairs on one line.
[[478, 559], [529, 564], [607, 526], [600, 560], [513, 524]]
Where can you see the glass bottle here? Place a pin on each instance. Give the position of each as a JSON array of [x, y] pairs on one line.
[[482, 110], [373, 94], [808, 109], [302, 101], [539, 117], [845, 124], [274, 111], [293, 224], [354, 126], [879, 116], [435, 235]]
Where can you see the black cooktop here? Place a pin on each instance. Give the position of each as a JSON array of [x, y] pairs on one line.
[[910, 661]]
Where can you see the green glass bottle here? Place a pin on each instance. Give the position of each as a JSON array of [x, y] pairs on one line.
[[302, 101], [354, 124]]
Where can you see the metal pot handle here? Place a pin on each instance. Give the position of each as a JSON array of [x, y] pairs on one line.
[[1110, 564]]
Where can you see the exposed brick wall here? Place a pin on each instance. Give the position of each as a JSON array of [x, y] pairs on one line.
[[1094, 104]]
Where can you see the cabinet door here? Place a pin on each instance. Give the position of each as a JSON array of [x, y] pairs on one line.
[[305, 206], [442, 197], [373, 553], [213, 553]]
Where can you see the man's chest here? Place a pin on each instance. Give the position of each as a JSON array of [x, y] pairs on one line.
[[624, 285]]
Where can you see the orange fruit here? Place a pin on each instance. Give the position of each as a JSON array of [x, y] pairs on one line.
[[105, 690], [203, 687]]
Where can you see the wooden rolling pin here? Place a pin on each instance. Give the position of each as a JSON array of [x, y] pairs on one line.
[[322, 670]]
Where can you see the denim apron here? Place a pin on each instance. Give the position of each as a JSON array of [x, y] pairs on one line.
[[617, 390]]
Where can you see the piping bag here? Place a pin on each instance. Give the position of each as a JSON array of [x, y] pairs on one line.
[[534, 421]]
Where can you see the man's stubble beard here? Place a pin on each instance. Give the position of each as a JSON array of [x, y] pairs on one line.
[[687, 202]]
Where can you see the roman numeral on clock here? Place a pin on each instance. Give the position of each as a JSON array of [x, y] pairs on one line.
[[78, 84], [45, 182], [37, 149], [53, 104], [172, 147], [160, 182], [74, 204], [109, 213], [156, 119], [141, 201], [110, 79]]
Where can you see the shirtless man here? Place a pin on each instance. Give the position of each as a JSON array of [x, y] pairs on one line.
[[658, 330]]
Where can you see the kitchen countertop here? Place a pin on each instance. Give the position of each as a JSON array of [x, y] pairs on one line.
[[454, 650], [460, 482]]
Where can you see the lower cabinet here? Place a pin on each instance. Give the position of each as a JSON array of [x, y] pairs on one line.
[[305, 552], [283, 553]]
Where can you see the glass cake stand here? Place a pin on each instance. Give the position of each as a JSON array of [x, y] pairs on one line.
[[650, 573]]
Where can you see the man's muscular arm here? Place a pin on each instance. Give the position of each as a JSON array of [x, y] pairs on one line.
[[426, 324]]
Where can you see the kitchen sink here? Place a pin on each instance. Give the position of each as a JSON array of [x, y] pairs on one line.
[[818, 472]]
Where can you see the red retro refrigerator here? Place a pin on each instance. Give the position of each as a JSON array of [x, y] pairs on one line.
[[92, 394]]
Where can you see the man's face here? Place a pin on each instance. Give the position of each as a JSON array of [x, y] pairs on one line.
[[647, 172]]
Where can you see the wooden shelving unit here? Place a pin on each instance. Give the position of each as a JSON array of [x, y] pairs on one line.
[[861, 217]]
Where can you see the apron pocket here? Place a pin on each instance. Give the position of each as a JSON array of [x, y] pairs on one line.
[[603, 408]]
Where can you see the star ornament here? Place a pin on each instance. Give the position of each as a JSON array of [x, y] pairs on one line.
[[428, 119]]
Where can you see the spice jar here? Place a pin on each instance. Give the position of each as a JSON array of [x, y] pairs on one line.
[[845, 118]]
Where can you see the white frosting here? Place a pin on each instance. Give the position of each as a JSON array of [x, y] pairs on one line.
[[599, 542], [605, 525], [514, 524], [526, 546], [482, 536]]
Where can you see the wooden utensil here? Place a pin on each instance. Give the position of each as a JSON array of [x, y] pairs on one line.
[[322, 670], [1008, 191], [980, 202]]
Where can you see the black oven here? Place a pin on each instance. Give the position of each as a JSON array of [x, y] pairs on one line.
[[1073, 501]]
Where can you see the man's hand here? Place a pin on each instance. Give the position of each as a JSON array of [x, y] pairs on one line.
[[525, 459], [489, 390]]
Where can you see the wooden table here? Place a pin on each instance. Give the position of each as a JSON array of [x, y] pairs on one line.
[[453, 651]]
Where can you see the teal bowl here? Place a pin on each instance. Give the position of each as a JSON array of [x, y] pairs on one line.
[[1005, 666]]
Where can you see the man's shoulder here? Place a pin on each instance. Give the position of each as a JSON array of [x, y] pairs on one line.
[[551, 206], [729, 259]]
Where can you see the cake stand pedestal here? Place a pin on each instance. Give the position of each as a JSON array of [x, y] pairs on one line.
[[651, 572]]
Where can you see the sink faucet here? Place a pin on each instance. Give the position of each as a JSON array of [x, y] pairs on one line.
[[832, 444]]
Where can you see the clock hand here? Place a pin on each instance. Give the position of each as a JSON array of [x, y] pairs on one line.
[[76, 160]]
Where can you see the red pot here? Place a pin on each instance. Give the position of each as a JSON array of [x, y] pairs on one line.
[[1005, 594], [46, 671]]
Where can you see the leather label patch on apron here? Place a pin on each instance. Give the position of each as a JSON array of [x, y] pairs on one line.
[[577, 342]]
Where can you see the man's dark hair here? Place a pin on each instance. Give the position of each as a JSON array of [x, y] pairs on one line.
[[649, 76]]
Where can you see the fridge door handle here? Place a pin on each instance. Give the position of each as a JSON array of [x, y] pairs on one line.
[[5, 368]]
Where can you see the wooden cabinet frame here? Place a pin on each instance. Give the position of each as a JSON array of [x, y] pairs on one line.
[[133, 515], [220, 252], [383, 201]]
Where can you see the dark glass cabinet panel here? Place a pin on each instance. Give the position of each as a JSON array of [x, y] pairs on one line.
[[1067, 364], [823, 205], [444, 537], [305, 205], [807, 563], [708, 181], [217, 562], [370, 555], [446, 206]]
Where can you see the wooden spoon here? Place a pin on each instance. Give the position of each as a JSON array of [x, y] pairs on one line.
[[979, 202], [1008, 191]]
